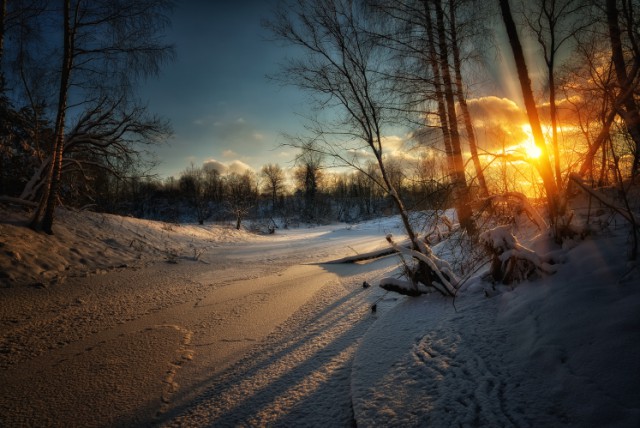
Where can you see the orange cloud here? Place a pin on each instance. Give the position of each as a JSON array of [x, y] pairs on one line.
[[497, 121]]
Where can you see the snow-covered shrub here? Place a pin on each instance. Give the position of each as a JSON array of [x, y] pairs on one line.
[[424, 270], [510, 260]]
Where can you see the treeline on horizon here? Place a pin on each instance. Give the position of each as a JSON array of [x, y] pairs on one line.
[[276, 199]]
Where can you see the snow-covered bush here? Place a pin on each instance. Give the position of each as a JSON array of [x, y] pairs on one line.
[[510, 260]]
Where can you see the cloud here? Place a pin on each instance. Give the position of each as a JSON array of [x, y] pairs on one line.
[[393, 143], [235, 166], [491, 111], [212, 164], [239, 167], [497, 122], [239, 133], [567, 110], [229, 154], [392, 146]]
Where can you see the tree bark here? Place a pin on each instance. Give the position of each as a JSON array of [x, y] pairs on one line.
[[437, 83], [43, 216], [460, 183], [630, 114], [543, 164], [462, 101]]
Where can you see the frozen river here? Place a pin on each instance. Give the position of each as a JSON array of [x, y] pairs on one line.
[[253, 332]]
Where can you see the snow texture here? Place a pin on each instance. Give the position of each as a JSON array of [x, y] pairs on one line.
[[258, 331], [560, 350]]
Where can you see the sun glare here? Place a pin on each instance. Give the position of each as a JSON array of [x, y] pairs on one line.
[[531, 150]]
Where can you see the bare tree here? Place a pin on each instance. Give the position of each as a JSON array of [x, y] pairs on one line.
[[543, 164], [626, 67], [463, 207], [192, 185], [586, 81], [344, 69], [462, 99], [43, 216], [424, 37], [308, 174], [109, 136], [555, 23], [107, 46], [339, 71], [241, 195], [274, 184]]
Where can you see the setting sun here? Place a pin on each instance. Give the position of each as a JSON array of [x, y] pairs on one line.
[[532, 151]]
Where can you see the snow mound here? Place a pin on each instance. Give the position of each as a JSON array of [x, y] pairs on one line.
[[87, 243]]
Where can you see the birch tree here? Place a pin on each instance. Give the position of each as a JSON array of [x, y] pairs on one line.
[[343, 69], [107, 46]]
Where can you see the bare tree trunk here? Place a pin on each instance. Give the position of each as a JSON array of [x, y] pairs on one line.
[[543, 164], [43, 217], [630, 116], [460, 183], [462, 101], [553, 111], [437, 83], [404, 216]]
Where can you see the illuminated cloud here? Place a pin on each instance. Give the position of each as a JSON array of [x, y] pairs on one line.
[[239, 167], [497, 121], [393, 146], [492, 111], [393, 143], [567, 110], [235, 166], [214, 165]]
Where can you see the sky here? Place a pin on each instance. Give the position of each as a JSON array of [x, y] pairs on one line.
[[216, 93], [223, 108]]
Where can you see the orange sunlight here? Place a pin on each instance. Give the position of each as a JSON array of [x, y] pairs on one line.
[[531, 150]]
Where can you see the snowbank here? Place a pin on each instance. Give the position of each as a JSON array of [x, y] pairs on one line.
[[560, 350], [87, 243]]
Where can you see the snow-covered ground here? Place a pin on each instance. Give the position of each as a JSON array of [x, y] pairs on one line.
[[559, 350], [120, 322]]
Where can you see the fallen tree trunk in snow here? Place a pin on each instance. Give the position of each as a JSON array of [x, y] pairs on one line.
[[17, 201], [370, 255], [427, 272]]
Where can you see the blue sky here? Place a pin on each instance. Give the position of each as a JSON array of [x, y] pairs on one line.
[[216, 94]]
